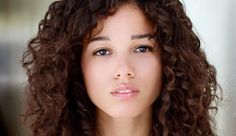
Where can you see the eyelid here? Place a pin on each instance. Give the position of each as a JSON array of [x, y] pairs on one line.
[[144, 45], [102, 48], [149, 47]]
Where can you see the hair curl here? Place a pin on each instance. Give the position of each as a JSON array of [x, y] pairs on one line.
[[57, 101]]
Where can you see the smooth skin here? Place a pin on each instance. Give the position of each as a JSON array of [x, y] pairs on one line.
[[123, 52]]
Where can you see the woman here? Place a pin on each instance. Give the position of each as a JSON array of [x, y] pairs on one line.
[[118, 68]]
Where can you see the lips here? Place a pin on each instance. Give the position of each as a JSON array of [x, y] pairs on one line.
[[124, 91]]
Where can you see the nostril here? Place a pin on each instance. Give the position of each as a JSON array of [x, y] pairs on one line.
[[130, 74], [127, 75]]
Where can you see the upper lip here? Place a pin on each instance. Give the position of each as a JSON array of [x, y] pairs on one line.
[[125, 86]]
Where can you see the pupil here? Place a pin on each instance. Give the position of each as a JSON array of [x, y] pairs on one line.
[[102, 52], [142, 49]]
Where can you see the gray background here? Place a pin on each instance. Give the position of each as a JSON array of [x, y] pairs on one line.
[[214, 21]]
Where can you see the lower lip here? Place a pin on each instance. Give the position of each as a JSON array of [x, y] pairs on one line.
[[124, 96]]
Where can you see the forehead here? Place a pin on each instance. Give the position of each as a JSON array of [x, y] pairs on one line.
[[128, 19]]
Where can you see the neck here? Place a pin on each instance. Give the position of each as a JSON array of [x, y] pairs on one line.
[[135, 126]]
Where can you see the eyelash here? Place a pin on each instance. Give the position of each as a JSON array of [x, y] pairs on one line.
[[147, 48]]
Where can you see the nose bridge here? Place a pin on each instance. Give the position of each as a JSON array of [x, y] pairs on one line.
[[123, 61], [123, 66]]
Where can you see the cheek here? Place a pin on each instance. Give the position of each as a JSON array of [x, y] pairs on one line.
[[94, 76], [149, 67], [97, 78], [150, 73]]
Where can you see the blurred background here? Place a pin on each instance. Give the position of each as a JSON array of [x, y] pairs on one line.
[[18, 23], [214, 21]]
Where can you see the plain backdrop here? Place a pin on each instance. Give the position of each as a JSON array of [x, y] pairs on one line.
[[214, 22]]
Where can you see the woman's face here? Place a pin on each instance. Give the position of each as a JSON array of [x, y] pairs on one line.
[[121, 65]]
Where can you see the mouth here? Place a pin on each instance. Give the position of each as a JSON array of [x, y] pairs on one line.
[[124, 92]]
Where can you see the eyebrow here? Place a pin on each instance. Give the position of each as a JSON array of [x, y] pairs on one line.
[[140, 36], [133, 37]]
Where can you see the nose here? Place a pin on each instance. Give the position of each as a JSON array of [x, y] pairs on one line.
[[119, 75], [123, 69]]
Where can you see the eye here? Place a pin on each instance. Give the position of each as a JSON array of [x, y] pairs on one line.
[[143, 49], [102, 52]]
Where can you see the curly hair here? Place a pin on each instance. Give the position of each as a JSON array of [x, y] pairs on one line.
[[57, 102]]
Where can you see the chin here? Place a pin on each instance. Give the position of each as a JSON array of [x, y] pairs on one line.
[[124, 113]]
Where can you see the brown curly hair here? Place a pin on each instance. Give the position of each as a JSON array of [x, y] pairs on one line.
[[57, 104]]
